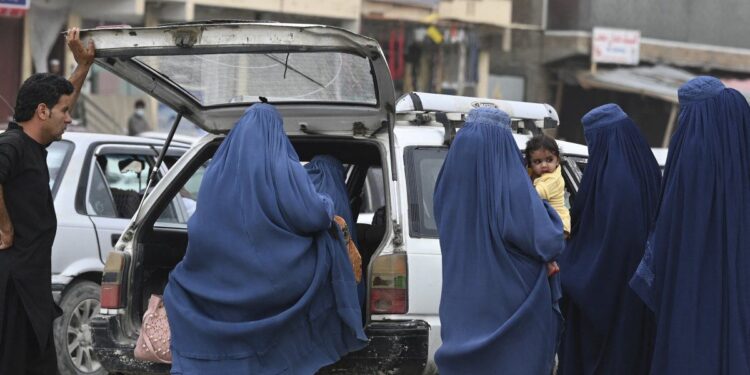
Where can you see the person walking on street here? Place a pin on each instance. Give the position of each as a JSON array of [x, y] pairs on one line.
[[608, 329], [137, 122], [694, 273], [27, 216]]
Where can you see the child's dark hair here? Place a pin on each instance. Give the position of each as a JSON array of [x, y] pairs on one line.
[[540, 142]]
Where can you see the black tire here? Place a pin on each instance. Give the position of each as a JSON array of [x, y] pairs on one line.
[[72, 332]]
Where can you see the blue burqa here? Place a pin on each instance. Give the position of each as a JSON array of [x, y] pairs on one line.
[[328, 176], [498, 311], [265, 287], [694, 274], [608, 329]]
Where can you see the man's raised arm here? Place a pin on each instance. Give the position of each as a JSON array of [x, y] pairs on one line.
[[84, 57]]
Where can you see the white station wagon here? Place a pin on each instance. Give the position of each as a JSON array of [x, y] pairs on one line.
[[335, 94]]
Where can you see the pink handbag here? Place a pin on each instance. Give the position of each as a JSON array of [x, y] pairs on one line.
[[153, 342]]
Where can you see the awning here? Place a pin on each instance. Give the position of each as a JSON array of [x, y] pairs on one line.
[[660, 81]]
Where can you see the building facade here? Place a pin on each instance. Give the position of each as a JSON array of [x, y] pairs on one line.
[[36, 44], [431, 45], [551, 50]]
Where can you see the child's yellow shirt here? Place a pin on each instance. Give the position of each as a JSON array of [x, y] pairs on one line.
[[551, 187]]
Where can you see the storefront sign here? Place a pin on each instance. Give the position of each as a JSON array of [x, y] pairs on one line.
[[615, 46], [13, 8]]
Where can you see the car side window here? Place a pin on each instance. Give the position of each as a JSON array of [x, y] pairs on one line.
[[374, 196], [423, 166], [99, 201], [572, 173], [126, 176], [118, 184], [186, 199]]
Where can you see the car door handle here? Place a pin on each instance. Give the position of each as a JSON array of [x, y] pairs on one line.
[[115, 237]]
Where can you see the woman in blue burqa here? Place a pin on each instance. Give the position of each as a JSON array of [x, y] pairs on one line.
[[608, 329], [694, 274], [265, 287], [328, 176], [498, 308]]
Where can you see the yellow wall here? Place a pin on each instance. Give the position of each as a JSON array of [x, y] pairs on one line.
[[373, 9], [346, 9], [489, 12]]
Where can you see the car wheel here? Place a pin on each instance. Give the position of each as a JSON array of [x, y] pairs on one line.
[[73, 335]]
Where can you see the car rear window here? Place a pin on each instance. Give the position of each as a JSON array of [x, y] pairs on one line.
[[216, 79], [58, 154]]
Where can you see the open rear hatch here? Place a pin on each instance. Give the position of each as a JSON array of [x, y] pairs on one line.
[[319, 77]]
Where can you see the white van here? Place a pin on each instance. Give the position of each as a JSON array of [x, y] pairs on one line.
[[422, 122]]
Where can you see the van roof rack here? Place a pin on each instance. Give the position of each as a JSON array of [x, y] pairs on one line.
[[423, 108]]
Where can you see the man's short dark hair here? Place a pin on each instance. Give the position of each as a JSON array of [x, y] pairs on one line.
[[40, 88], [140, 104]]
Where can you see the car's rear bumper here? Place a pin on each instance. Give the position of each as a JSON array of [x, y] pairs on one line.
[[396, 347]]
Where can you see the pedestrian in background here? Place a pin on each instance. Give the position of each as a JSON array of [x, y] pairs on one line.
[[694, 274], [55, 67], [137, 123], [27, 216], [608, 329], [498, 307]]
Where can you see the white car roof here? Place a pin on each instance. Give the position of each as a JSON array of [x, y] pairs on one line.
[[429, 132], [429, 102], [433, 136], [88, 138]]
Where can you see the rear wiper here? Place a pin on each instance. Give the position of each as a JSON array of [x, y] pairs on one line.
[[287, 66]]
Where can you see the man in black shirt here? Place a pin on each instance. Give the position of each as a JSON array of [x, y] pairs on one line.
[[27, 216]]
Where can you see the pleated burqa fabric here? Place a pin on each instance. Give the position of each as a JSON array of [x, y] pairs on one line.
[[498, 309], [694, 274]]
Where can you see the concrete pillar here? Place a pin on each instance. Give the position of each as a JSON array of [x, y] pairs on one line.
[[151, 17], [354, 25], [74, 20], [26, 60], [189, 10], [461, 81], [176, 12], [483, 74]]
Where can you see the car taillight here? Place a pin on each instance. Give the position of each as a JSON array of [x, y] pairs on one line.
[[388, 285], [112, 281]]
